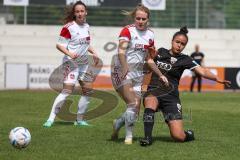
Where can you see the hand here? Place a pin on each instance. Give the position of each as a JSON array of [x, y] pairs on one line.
[[225, 82], [164, 80], [152, 52], [73, 55]]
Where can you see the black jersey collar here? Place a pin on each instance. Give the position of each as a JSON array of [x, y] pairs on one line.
[[173, 54]]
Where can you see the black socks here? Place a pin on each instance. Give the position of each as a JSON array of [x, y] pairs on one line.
[[148, 119]]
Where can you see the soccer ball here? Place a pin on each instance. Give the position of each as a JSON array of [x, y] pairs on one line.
[[19, 137]]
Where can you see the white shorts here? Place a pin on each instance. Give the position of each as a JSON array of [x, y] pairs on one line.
[[117, 81], [74, 73]]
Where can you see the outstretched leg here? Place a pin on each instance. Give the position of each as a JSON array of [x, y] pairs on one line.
[[59, 101], [130, 115]]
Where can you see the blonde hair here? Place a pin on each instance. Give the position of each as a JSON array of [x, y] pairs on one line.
[[139, 7]]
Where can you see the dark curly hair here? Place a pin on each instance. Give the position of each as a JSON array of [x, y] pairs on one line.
[[183, 31]]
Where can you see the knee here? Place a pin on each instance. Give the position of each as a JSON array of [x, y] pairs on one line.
[[151, 103], [185, 136], [178, 136]]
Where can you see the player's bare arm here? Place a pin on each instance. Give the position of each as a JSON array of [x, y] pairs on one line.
[[152, 52], [155, 69], [66, 52], [204, 72]]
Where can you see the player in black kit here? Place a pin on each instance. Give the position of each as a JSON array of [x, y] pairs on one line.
[[197, 57], [171, 63]]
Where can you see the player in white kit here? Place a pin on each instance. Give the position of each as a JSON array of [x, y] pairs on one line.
[[135, 43], [74, 42]]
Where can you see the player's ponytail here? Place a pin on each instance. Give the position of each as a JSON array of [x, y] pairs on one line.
[[183, 31]]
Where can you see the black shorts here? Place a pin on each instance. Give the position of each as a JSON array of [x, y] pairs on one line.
[[171, 107], [169, 104]]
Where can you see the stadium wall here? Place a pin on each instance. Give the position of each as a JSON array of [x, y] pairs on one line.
[[34, 46]]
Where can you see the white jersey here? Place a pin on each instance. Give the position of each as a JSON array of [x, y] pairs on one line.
[[76, 39], [139, 42]]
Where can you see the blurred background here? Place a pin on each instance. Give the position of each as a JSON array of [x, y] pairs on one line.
[[29, 32], [223, 14]]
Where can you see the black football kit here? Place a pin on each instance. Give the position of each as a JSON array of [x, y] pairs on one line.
[[172, 66]]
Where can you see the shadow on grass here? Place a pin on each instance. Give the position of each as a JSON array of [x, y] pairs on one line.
[[69, 123], [163, 139], [63, 123], [136, 139]]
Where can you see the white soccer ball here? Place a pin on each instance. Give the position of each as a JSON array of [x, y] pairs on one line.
[[19, 137]]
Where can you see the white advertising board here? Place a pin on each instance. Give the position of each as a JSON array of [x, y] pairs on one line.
[[39, 75], [155, 4], [16, 2], [16, 76]]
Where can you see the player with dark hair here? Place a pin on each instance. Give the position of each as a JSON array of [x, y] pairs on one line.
[[135, 43], [74, 43], [171, 63], [198, 57]]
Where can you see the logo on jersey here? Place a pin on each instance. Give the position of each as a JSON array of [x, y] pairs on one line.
[[151, 42], [164, 66], [140, 47], [85, 40], [173, 60]]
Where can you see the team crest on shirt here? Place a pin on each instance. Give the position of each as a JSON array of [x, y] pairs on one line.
[[150, 41], [173, 60]]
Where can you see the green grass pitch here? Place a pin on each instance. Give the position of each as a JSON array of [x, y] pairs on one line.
[[214, 117]]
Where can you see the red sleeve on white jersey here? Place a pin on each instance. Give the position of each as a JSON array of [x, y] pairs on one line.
[[65, 33], [125, 34]]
